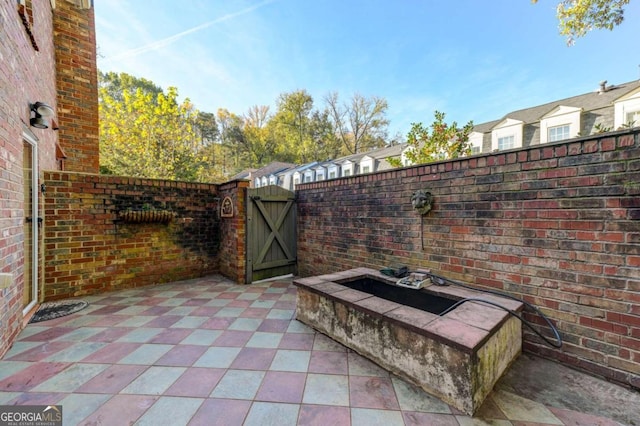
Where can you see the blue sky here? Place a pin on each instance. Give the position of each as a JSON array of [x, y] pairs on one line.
[[472, 59]]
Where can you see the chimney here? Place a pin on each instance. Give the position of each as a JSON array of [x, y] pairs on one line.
[[74, 40], [603, 86]]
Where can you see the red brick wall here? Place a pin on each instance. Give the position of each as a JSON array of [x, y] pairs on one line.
[[26, 76], [233, 231], [90, 249], [77, 83], [557, 225]]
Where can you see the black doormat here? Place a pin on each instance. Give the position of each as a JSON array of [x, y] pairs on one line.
[[57, 309]]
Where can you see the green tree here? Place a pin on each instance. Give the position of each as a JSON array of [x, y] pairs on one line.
[[147, 133], [325, 145], [442, 142], [291, 126], [231, 138], [115, 84], [361, 124], [257, 143], [302, 134], [207, 127], [210, 153], [578, 17]]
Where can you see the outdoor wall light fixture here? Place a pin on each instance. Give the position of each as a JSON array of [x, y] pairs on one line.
[[40, 111]]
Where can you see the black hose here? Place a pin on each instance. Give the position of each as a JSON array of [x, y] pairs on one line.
[[438, 280], [442, 281], [515, 314]]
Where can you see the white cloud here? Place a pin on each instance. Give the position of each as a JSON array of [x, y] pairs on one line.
[[159, 44]]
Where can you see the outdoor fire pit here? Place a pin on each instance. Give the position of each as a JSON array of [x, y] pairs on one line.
[[457, 357]]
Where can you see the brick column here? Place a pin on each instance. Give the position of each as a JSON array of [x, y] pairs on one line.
[[77, 84], [233, 232]]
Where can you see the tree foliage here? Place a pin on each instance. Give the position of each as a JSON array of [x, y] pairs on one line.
[[146, 131], [207, 127], [116, 84], [291, 125], [231, 140], [578, 17], [361, 124], [257, 141], [439, 141], [304, 134]]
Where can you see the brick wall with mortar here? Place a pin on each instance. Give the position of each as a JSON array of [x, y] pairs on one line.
[[233, 231], [557, 225], [77, 83], [26, 76], [90, 249]]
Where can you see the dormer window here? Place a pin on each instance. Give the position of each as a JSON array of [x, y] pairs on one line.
[[507, 134], [627, 110], [506, 142], [562, 122], [333, 171], [297, 178], [347, 168], [633, 119], [558, 133], [366, 164], [475, 140]]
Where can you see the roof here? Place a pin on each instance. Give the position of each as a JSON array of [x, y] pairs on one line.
[[306, 166], [378, 154], [386, 152], [486, 127], [587, 101], [323, 164], [272, 168], [245, 174]]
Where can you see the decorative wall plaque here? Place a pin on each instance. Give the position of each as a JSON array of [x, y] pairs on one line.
[[421, 201], [226, 209]]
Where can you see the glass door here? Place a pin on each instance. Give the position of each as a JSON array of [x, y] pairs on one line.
[[30, 268]]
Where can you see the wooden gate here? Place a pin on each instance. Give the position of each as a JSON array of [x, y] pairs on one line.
[[271, 233]]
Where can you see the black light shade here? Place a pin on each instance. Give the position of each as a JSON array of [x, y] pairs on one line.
[[42, 109], [38, 122]]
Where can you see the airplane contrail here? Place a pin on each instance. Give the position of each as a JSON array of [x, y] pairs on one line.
[[167, 41]]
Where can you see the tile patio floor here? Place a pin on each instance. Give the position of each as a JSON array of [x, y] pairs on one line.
[[208, 352]]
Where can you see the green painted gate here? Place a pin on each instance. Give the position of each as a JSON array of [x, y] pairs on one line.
[[271, 233]]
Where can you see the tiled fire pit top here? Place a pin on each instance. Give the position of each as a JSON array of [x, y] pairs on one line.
[[467, 327]]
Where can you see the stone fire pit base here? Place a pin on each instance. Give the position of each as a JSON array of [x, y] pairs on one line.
[[457, 357]]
